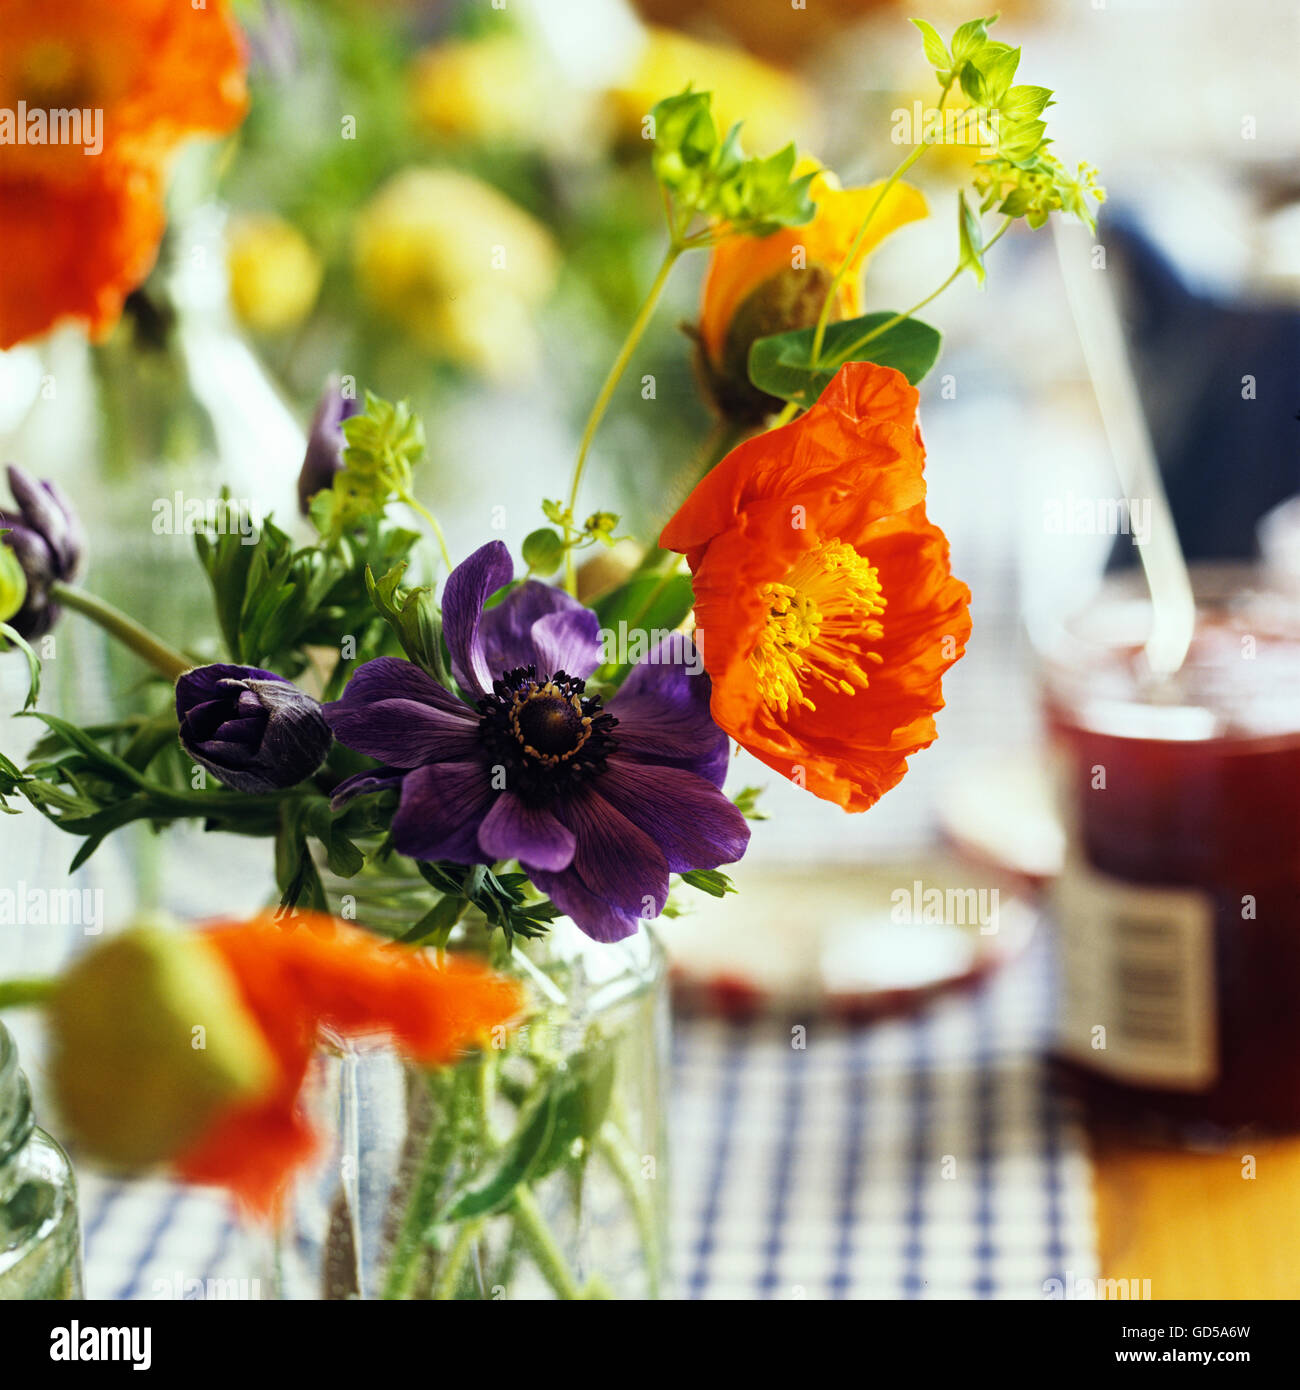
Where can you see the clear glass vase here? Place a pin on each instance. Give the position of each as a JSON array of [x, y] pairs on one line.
[[532, 1169], [40, 1236]]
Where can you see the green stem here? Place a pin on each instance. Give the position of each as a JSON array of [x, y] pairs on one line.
[[823, 318], [613, 1147], [607, 391], [409, 1247], [16, 993], [420, 509], [846, 353], [448, 1278], [536, 1235], [142, 642]]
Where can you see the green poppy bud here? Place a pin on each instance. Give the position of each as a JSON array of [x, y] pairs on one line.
[[152, 1041], [13, 584]]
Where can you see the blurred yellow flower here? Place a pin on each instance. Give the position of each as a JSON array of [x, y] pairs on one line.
[[490, 89], [458, 265], [775, 106], [275, 275]]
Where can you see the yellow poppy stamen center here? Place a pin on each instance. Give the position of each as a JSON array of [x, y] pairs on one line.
[[819, 617], [51, 76]]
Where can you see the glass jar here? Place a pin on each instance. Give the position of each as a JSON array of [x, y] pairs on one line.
[[143, 431], [40, 1237], [534, 1168], [1179, 900]]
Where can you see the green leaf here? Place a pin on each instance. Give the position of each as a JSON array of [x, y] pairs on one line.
[[996, 64], [414, 617], [647, 603], [637, 614], [970, 37], [707, 176], [113, 767], [746, 802], [514, 1164], [343, 857], [710, 881], [436, 924], [936, 53], [584, 1091], [1025, 103], [781, 365], [10, 634], [1017, 140], [971, 239]]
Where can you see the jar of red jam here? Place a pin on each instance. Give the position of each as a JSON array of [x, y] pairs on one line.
[[1178, 908]]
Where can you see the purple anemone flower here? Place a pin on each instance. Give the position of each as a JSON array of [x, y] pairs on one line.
[[46, 537], [325, 442], [253, 730], [598, 805]]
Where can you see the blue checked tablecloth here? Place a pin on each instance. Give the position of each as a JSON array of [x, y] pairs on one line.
[[919, 1158]]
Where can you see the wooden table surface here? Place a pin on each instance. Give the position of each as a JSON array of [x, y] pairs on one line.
[[1195, 1225]]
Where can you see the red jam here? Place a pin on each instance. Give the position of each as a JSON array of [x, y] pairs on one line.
[[1190, 785]]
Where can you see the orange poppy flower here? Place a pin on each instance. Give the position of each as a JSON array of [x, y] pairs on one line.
[[756, 286], [826, 611], [93, 99], [81, 248], [190, 1048], [317, 975]]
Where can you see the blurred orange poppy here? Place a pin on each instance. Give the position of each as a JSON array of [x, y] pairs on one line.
[[76, 251], [825, 607], [314, 975], [756, 286], [93, 100]]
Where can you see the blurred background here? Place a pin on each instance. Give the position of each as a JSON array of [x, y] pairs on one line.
[[334, 232]]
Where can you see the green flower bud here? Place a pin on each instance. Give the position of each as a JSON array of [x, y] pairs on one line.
[[13, 584], [152, 1041]]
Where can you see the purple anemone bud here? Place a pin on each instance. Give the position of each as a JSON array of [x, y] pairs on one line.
[[253, 730], [46, 536], [325, 442]]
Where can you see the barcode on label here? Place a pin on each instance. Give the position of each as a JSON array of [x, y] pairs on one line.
[[1138, 999]]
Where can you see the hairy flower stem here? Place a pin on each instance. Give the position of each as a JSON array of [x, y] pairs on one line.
[[15, 993], [454, 1261], [540, 1243], [612, 1145], [409, 1247], [607, 391], [823, 318], [164, 659], [421, 510], [847, 354]]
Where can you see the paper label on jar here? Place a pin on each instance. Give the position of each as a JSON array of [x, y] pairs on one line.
[[1137, 980]]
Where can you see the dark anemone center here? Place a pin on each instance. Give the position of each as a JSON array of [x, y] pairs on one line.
[[547, 735], [549, 724]]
